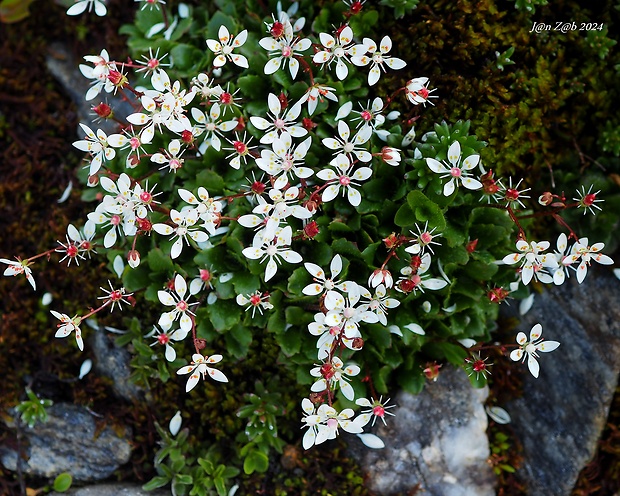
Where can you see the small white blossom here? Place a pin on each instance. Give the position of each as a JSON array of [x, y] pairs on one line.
[[529, 349], [67, 326], [457, 172], [200, 367], [223, 47], [378, 59], [79, 7]]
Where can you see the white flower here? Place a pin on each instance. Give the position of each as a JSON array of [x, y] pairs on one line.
[[19, 267], [334, 373], [423, 240], [81, 6], [335, 49], [185, 227], [583, 252], [199, 367], [163, 337], [533, 261], [273, 250], [529, 349], [330, 420], [321, 283], [377, 59], [284, 49], [67, 326], [171, 157], [588, 201], [99, 146], [207, 208], [379, 303], [257, 300], [285, 159], [342, 311], [176, 300], [278, 124], [160, 112], [349, 148], [343, 179], [456, 171], [224, 47], [212, 125], [416, 278], [417, 91], [315, 94], [377, 409]]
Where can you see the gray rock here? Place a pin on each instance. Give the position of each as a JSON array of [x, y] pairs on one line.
[[113, 362], [70, 442], [112, 490], [436, 440], [561, 415]]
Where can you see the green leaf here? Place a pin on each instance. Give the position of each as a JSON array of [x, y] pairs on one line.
[[256, 461], [156, 482], [405, 216], [62, 482], [299, 279], [159, 262], [238, 340], [224, 314], [185, 56], [426, 210], [251, 86], [290, 340]]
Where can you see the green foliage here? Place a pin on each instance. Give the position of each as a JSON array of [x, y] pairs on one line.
[[33, 410], [62, 482]]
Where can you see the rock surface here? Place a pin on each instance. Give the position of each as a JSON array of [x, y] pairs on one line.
[[70, 441], [112, 490], [113, 362], [437, 440], [561, 415]]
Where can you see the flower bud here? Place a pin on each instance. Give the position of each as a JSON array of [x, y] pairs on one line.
[[390, 155], [240, 124], [258, 187], [358, 343], [103, 110], [133, 258], [545, 199], [200, 343], [432, 371], [471, 246], [277, 30], [390, 241], [381, 276], [308, 124], [118, 79], [93, 180], [187, 137], [311, 229]]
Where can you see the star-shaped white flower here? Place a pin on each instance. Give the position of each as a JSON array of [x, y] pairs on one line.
[[177, 300], [378, 59], [343, 179], [350, 148], [529, 349], [279, 122], [274, 250], [334, 373], [284, 49], [67, 326], [457, 172], [16, 267], [335, 49], [185, 227], [583, 253], [224, 46], [200, 367]]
